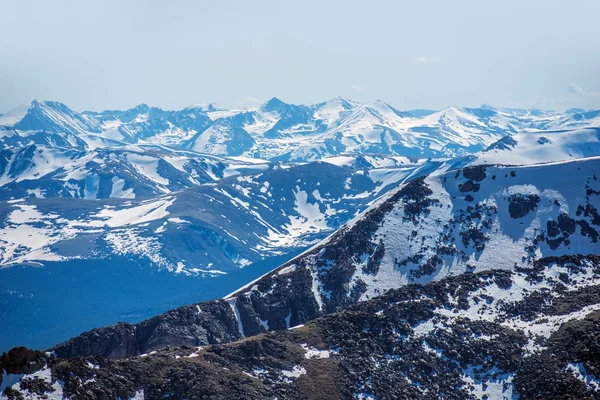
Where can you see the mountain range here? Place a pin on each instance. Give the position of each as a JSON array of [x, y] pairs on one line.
[[279, 131], [344, 239], [473, 280]]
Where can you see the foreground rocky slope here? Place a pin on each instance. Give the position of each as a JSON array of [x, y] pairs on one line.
[[470, 220], [526, 333]]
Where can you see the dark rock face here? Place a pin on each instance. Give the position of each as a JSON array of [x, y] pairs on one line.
[[194, 325], [284, 300], [461, 337], [21, 360], [519, 205], [475, 173], [506, 143], [469, 186]]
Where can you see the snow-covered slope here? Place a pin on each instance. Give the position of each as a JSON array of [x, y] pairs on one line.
[[183, 246], [116, 172], [578, 119], [190, 218], [474, 219], [542, 146], [235, 220]]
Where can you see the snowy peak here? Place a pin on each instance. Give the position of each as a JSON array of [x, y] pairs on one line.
[[445, 224], [276, 130], [543, 147], [581, 119], [384, 110], [14, 116], [272, 105], [47, 116], [206, 107], [452, 119], [532, 227]]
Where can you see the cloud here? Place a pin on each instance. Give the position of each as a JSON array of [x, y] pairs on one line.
[[357, 87], [249, 101], [575, 88], [421, 59]]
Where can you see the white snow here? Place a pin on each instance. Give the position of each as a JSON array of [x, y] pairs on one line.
[[139, 395], [545, 146], [46, 375], [117, 189], [233, 304], [579, 371], [313, 353], [15, 115], [148, 211], [147, 166], [296, 372]]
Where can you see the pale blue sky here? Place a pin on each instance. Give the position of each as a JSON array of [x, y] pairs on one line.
[[102, 54]]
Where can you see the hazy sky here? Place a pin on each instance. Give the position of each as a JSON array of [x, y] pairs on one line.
[[102, 54]]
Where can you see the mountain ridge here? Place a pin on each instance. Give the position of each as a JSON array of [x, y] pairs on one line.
[[275, 130]]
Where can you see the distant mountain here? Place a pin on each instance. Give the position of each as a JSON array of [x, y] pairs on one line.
[[121, 215], [431, 266], [276, 130], [544, 146], [133, 171]]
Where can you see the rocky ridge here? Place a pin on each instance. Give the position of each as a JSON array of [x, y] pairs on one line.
[[498, 334]]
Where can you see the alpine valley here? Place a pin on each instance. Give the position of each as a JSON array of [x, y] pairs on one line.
[[335, 250]]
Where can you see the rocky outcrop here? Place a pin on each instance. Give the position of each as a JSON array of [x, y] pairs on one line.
[[476, 335], [519, 205], [194, 325]]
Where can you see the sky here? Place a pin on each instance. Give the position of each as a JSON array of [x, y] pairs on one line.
[[113, 54]]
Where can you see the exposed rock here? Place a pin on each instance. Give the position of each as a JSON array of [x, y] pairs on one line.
[[461, 337], [519, 205], [475, 173]]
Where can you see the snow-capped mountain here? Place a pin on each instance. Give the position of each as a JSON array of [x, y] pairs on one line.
[[448, 223], [274, 209], [542, 146], [184, 206], [191, 218], [214, 235], [133, 171], [276, 130], [480, 281]]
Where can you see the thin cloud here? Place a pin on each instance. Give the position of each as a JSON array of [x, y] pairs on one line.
[[421, 59], [574, 88], [249, 101], [357, 87]]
